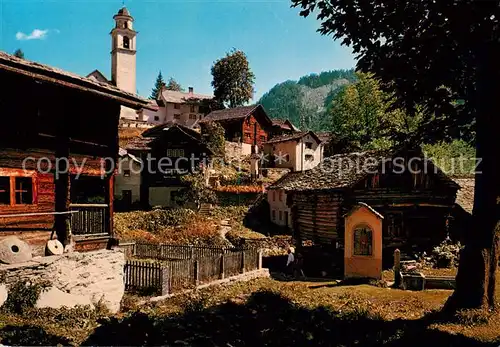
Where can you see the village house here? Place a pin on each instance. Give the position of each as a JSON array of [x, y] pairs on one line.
[[249, 126], [279, 211], [68, 118], [184, 108], [414, 197], [297, 151], [167, 152], [282, 127]]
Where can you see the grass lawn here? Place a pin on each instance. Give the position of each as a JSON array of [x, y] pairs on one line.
[[265, 312]]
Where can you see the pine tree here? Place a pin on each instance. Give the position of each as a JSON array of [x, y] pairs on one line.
[[19, 53], [174, 85], [159, 84]]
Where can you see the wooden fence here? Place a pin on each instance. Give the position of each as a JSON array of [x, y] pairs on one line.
[[173, 252], [172, 276]]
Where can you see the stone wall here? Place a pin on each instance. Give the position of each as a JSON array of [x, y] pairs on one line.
[[76, 278]]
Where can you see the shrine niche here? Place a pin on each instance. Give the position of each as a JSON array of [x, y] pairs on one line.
[[363, 243]]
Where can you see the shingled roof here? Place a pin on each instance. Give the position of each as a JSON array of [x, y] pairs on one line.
[[237, 113], [57, 76], [284, 124], [342, 171], [292, 137], [145, 141]]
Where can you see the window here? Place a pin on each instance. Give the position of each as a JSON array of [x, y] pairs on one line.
[[192, 108], [274, 195], [394, 225], [309, 145], [24, 190], [287, 158], [192, 116], [177, 106], [248, 135], [309, 157], [175, 152], [4, 190], [274, 214], [177, 116], [262, 138], [281, 196], [126, 42], [281, 215], [362, 241], [201, 116], [157, 118], [126, 173]]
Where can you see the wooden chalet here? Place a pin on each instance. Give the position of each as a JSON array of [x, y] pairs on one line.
[[416, 204], [51, 117], [283, 127], [249, 125], [166, 151]]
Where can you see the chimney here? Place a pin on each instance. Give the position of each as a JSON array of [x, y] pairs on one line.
[[190, 89]]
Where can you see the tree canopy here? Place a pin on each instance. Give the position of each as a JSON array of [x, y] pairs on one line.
[[233, 80], [362, 116], [442, 56]]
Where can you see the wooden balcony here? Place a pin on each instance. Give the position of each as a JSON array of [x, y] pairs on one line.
[[90, 219]]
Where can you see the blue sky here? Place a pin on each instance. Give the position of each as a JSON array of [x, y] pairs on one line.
[[182, 38]]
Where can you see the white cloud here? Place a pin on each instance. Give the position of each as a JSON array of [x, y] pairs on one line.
[[36, 34]]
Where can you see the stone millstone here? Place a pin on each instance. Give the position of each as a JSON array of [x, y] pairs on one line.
[[54, 247], [13, 250]]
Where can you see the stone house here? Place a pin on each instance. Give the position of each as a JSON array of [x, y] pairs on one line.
[[297, 151]]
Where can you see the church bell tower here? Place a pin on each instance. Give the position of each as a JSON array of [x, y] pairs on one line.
[[123, 52]]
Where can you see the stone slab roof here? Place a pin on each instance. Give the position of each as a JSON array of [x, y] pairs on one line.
[[60, 77], [465, 195], [342, 171]]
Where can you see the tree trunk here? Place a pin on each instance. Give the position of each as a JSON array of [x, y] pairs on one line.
[[476, 278]]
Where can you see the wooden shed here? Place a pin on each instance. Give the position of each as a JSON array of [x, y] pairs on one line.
[[58, 148], [414, 196]]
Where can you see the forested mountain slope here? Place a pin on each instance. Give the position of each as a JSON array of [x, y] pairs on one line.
[[305, 101]]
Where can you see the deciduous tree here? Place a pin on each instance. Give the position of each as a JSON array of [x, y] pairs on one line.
[[444, 56], [233, 80]]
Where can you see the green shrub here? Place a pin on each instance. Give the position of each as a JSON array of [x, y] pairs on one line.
[[23, 296]]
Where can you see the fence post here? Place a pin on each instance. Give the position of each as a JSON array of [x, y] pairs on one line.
[[222, 275], [165, 280], [397, 267], [196, 273], [191, 252], [243, 262], [260, 260], [134, 249]]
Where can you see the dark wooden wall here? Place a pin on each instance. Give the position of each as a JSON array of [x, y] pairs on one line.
[[38, 119], [252, 126]]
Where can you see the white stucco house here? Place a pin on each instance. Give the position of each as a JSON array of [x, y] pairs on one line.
[[183, 108], [297, 151], [279, 212], [127, 190]]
